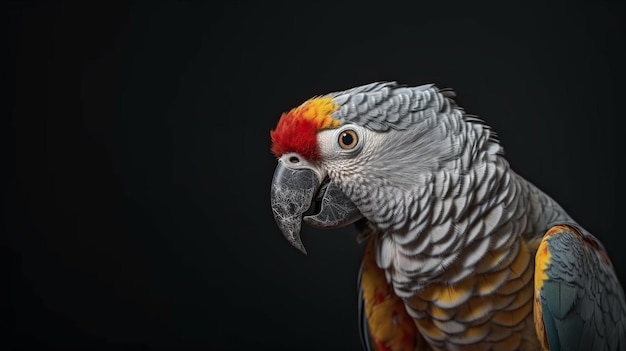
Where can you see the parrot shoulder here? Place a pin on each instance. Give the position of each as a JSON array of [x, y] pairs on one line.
[[579, 302]]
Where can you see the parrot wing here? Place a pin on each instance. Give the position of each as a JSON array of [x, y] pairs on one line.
[[384, 322], [579, 302]]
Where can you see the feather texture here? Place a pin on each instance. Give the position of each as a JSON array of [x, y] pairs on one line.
[[579, 302], [463, 252]]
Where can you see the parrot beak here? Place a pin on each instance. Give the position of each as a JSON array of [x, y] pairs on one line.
[[291, 195], [297, 193], [336, 209]]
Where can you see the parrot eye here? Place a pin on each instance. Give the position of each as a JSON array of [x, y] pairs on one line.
[[348, 139]]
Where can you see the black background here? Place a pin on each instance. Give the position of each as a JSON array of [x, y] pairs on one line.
[[137, 214]]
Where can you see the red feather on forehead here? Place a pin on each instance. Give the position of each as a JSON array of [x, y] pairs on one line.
[[293, 134], [297, 129]]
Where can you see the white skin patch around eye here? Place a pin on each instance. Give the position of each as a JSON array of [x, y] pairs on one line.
[[328, 141]]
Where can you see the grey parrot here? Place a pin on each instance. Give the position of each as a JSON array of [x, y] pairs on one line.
[[462, 252]]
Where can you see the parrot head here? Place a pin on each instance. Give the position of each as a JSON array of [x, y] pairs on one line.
[[370, 152]]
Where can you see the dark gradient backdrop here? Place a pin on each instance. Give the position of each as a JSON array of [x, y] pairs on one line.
[[137, 209]]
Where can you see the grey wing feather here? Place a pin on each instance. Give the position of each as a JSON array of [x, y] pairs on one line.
[[582, 300]]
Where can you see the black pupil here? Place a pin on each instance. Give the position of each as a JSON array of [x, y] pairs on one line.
[[347, 139]]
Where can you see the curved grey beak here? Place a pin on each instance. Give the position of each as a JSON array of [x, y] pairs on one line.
[[291, 195], [294, 194]]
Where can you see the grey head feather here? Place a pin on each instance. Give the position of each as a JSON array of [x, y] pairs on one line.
[[424, 129], [382, 106]]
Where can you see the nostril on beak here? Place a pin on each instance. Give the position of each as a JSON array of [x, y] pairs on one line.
[[294, 159]]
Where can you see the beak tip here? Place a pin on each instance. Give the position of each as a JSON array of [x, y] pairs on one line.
[[296, 242], [302, 249]]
